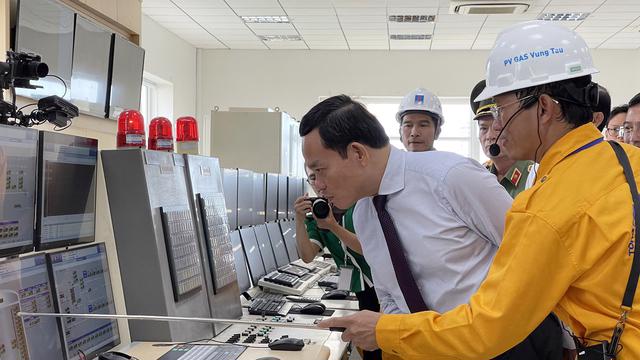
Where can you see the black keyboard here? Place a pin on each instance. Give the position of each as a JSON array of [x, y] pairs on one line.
[[293, 270], [306, 277], [269, 296], [269, 307], [282, 279]]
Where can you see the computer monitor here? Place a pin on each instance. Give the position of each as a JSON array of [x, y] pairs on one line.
[[83, 286], [258, 198], [288, 229], [242, 271], [29, 278], [18, 174], [271, 197], [90, 71], [252, 253], [245, 197], [66, 190], [45, 27], [125, 77], [282, 196], [268, 259], [277, 244], [230, 186]]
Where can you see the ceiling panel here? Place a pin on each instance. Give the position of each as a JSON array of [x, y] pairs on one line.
[[209, 19], [326, 23], [174, 11], [259, 11], [306, 4], [360, 4], [362, 18], [361, 11], [157, 3], [405, 28], [252, 3], [199, 3], [306, 32], [409, 44], [226, 12], [276, 32], [314, 11], [303, 19], [365, 26]]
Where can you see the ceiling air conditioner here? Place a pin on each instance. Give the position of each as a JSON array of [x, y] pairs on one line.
[[489, 7]]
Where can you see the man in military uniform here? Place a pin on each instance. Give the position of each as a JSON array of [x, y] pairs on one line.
[[511, 174]]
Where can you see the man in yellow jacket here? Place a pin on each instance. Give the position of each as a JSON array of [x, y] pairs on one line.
[[568, 244]]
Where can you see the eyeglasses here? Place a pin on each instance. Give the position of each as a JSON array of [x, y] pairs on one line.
[[496, 111], [311, 181], [628, 129], [614, 131]]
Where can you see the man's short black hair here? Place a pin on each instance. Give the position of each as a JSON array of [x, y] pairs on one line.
[[340, 121], [603, 106], [621, 109], [571, 94], [634, 100]]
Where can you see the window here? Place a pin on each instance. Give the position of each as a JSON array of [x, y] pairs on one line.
[[148, 101], [156, 98], [459, 133]]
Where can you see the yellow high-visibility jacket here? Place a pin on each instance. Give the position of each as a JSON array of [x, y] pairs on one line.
[[567, 248]]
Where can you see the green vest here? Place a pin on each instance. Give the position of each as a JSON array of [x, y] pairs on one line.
[[325, 238]]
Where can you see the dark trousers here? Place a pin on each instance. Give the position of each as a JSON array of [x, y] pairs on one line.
[[544, 343], [367, 300]]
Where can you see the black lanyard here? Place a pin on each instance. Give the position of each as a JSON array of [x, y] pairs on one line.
[[630, 291]]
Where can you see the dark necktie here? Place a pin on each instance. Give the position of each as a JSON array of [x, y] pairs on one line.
[[405, 278]]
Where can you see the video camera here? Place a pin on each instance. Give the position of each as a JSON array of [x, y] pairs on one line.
[[17, 72]]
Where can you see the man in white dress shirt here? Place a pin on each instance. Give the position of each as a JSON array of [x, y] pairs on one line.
[[448, 211]]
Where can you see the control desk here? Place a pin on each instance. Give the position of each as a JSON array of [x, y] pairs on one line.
[[318, 344]]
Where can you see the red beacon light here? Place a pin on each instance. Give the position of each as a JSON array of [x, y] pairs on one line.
[[187, 135], [160, 134], [130, 130]]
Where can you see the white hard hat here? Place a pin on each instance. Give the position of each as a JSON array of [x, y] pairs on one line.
[[534, 53], [421, 100]]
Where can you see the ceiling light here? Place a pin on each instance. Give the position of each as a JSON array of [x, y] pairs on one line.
[[277, 19], [410, 36], [412, 18], [280, 38], [579, 16]]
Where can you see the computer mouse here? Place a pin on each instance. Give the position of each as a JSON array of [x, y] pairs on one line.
[[287, 344], [313, 309], [336, 295], [268, 358], [114, 355]]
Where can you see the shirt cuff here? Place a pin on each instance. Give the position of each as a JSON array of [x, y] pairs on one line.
[[317, 242], [388, 332]]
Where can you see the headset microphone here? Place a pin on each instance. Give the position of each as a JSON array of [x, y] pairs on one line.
[[494, 149]]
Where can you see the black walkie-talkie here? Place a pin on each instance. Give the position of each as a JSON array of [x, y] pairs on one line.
[[599, 351]]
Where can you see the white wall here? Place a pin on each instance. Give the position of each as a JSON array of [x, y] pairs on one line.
[[174, 60], [293, 80]]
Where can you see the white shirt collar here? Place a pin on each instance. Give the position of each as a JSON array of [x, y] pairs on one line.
[[393, 178]]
